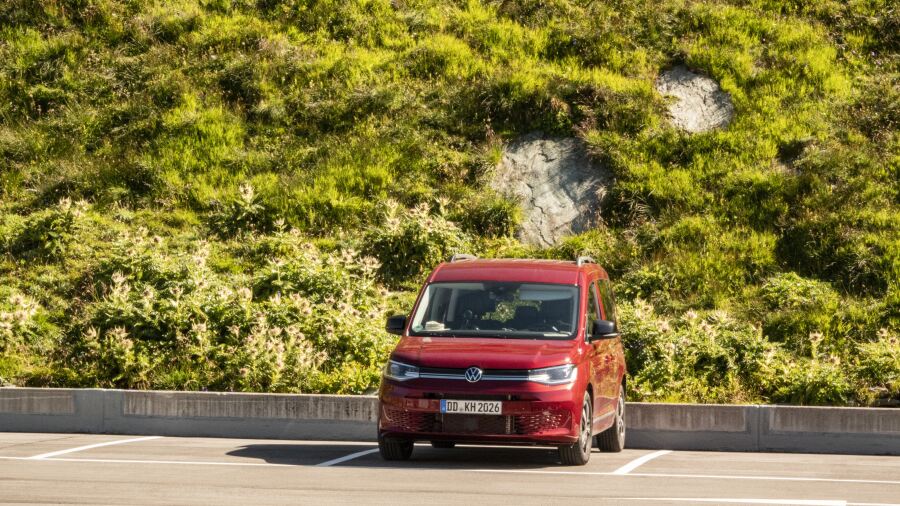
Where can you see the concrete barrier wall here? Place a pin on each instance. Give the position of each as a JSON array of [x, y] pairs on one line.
[[870, 431], [850, 430], [692, 426]]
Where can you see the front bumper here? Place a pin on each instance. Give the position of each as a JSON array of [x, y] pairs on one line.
[[531, 414]]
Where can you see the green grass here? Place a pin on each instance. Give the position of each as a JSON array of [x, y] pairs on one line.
[[232, 195]]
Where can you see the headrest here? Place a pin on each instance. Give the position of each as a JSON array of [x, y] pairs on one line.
[[478, 302]]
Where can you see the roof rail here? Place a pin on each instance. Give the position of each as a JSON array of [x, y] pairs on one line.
[[584, 260], [462, 256]]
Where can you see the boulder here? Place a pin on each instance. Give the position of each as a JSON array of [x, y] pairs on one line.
[[700, 104]]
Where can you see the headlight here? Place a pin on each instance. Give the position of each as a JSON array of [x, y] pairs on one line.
[[400, 371], [558, 375]]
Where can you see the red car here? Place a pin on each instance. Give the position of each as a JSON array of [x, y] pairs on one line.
[[507, 352]]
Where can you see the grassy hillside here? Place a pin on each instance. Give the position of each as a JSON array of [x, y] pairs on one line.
[[232, 194]]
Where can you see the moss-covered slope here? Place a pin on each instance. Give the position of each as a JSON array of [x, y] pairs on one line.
[[232, 194]]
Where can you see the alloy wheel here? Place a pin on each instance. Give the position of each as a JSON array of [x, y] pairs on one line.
[[585, 440]]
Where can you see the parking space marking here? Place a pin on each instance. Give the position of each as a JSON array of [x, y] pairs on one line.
[[626, 471], [48, 455], [345, 458], [699, 476], [740, 500], [638, 462], [165, 462], [767, 478]]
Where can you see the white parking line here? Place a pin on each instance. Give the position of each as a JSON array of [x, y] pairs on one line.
[[347, 457], [765, 478], [164, 462], [634, 464], [735, 500], [44, 456], [502, 471], [687, 476]]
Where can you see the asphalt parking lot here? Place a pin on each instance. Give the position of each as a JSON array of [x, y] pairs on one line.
[[105, 469]]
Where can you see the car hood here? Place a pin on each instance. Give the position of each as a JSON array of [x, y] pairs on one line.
[[486, 353]]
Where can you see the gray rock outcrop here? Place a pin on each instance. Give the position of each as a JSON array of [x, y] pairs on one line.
[[557, 184], [700, 104]]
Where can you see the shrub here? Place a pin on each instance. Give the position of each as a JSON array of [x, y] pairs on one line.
[[693, 357], [27, 338], [21, 322], [488, 216], [412, 242], [798, 312], [242, 214], [46, 235], [615, 252], [835, 250], [811, 382], [167, 319], [876, 368]]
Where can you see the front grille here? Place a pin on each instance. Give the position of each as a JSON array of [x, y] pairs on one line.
[[539, 422], [460, 374], [470, 396], [455, 423], [410, 421], [436, 423]]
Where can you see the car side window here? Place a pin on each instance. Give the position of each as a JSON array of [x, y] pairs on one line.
[[593, 309], [608, 301]]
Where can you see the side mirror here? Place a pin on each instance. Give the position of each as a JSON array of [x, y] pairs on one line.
[[396, 324], [603, 329]]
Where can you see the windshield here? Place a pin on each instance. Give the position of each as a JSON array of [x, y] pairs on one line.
[[497, 309]]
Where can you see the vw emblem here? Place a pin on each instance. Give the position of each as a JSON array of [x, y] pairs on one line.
[[473, 374]]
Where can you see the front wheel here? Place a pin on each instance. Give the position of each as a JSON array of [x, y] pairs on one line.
[[579, 453], [395, 449], [613, 438]]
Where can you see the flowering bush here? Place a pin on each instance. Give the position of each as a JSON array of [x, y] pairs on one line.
[[242, 213], [46, 235], [877, 367], [798, 312], [19, 316], [694, 357], [167, 319], [412, 242], [26, 337]]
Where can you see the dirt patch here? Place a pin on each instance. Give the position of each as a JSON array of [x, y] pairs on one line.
[[700, 104], [557, 184]]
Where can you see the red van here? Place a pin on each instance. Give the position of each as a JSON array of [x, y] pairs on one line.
[[507, 352]]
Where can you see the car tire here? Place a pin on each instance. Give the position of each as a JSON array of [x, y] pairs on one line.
[[613, 438], [443, 445], [579, 453], [395, 449]]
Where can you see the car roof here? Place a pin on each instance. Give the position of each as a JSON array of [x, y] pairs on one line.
[[519, 270]]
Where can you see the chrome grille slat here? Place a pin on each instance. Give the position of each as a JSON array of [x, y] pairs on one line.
[[446, 373], [461, 376]]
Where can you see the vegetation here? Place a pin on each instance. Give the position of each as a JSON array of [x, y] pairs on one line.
[[232, 194]]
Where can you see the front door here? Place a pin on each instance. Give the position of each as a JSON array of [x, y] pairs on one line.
[[602, 365]]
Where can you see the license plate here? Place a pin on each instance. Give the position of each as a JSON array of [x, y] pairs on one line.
[[471, 407]]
